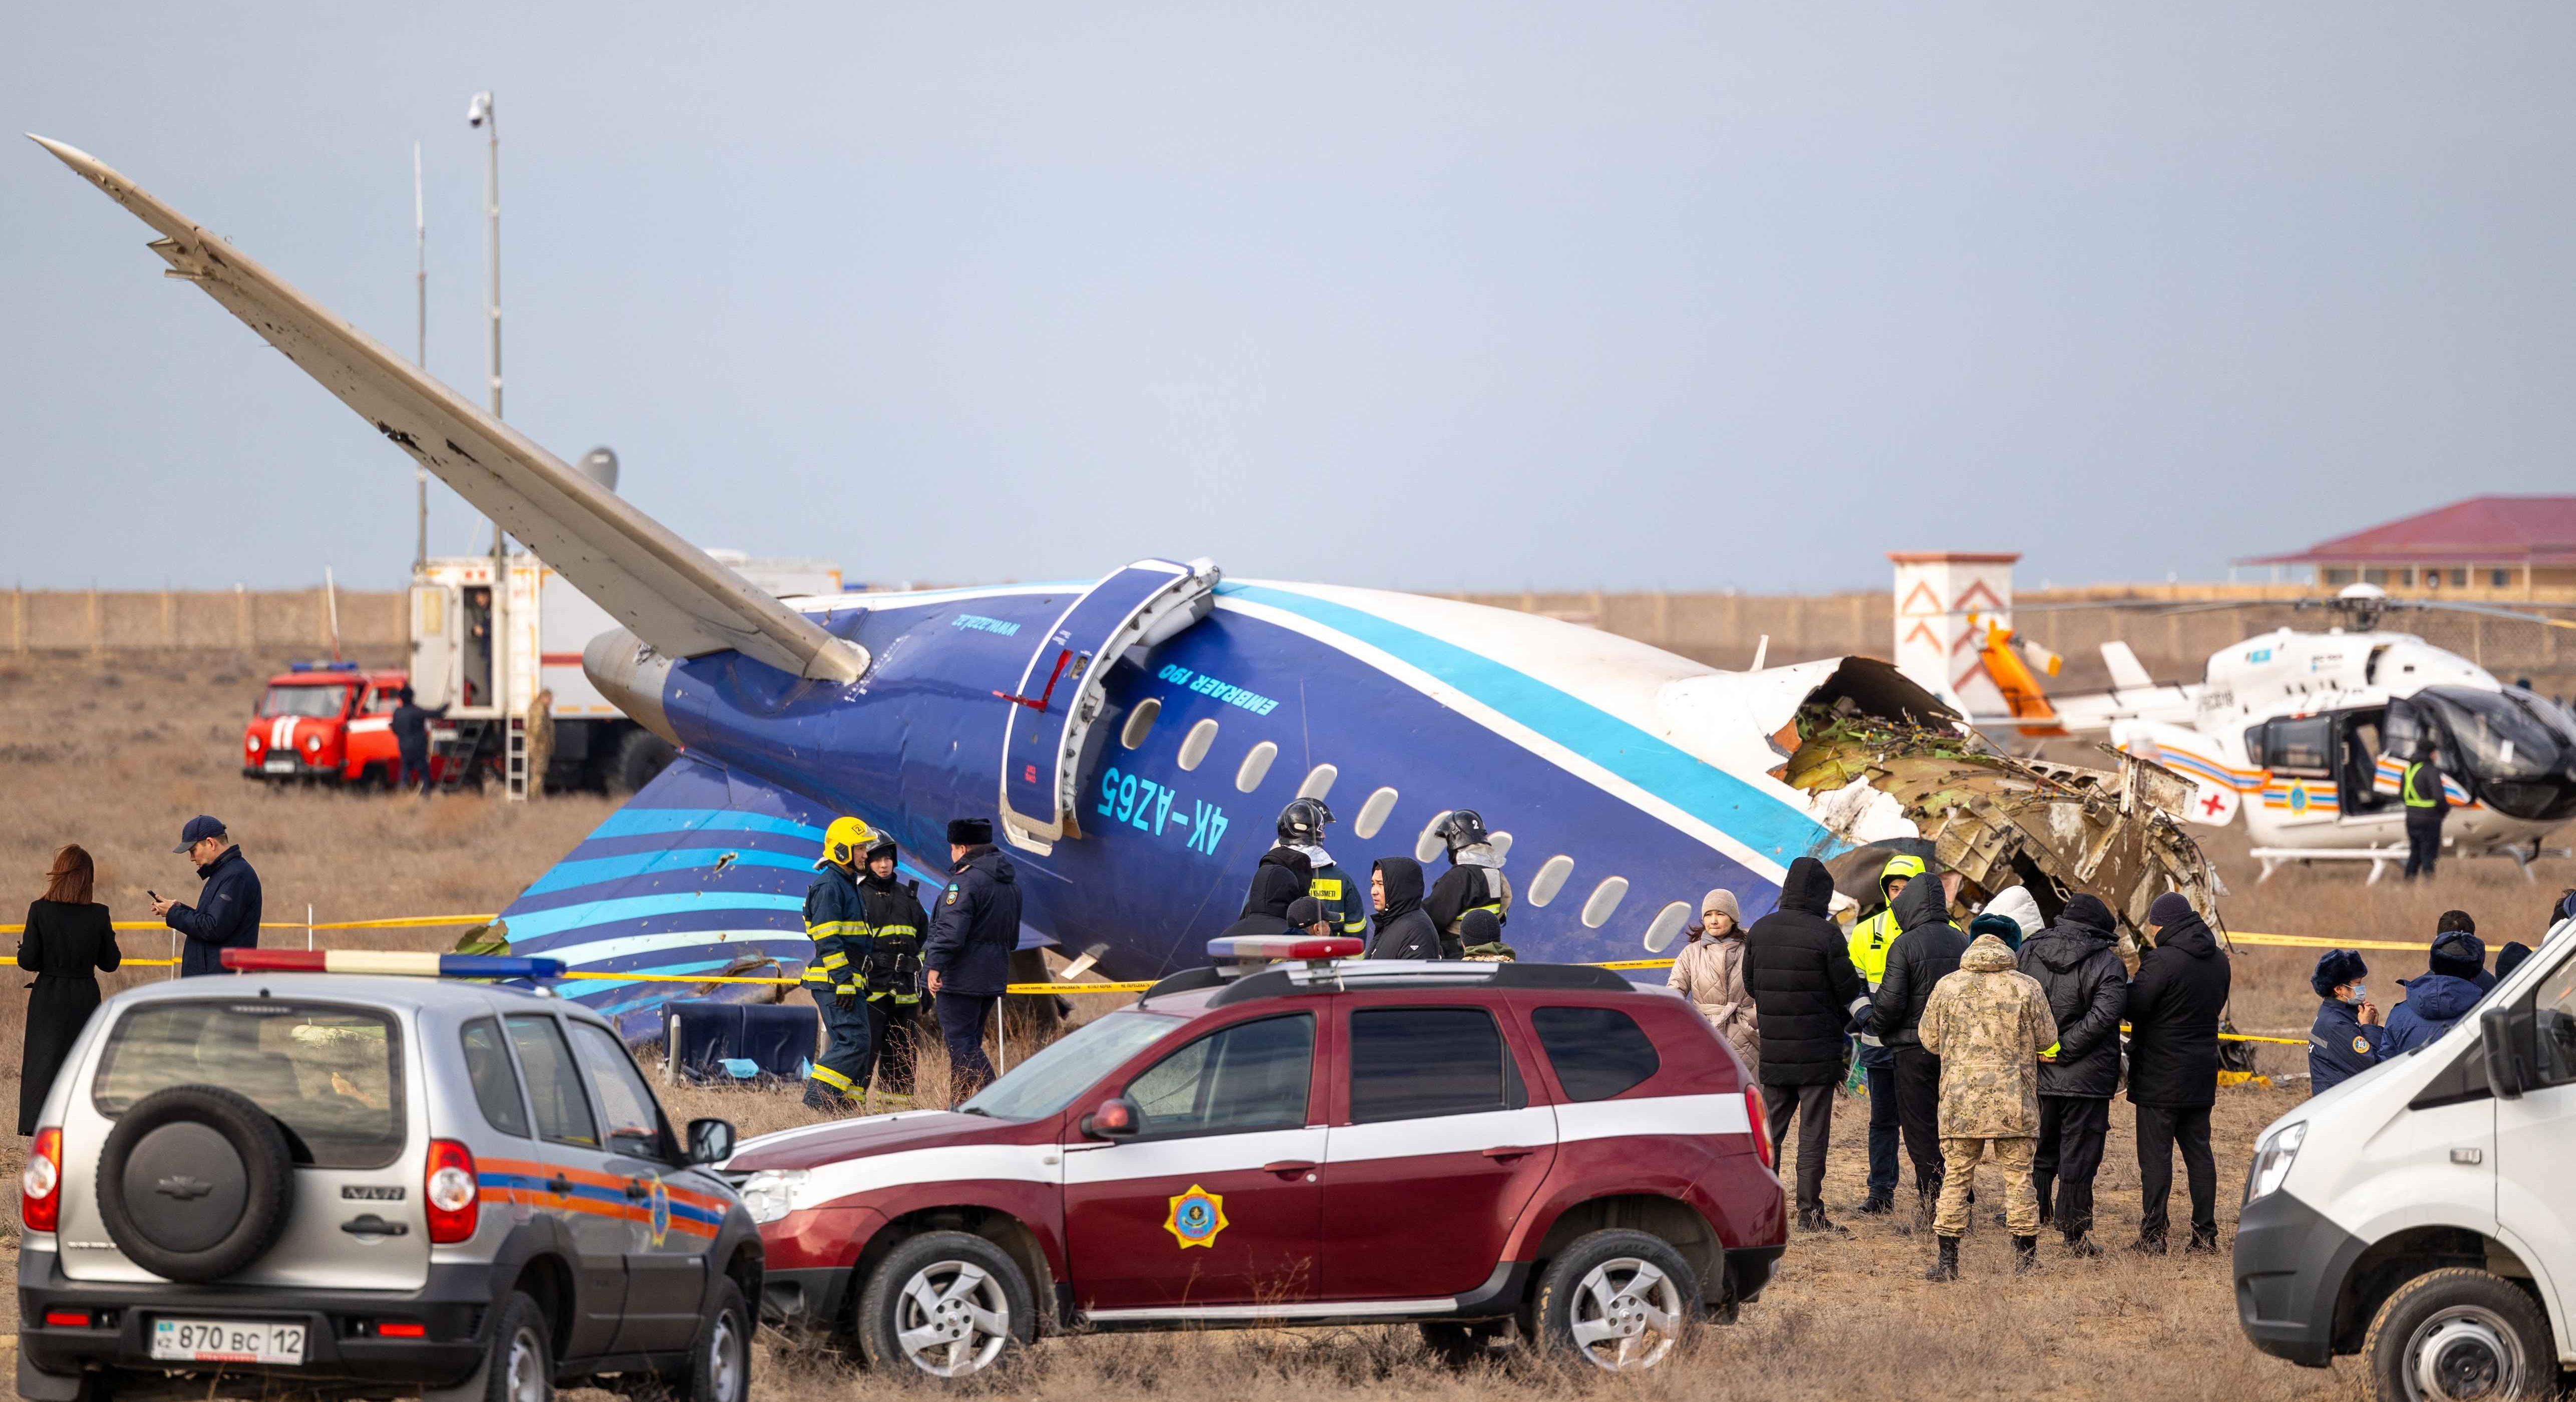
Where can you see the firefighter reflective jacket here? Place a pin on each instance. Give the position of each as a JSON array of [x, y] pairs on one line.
[[1870, 938], [836, 921], [890, 969]]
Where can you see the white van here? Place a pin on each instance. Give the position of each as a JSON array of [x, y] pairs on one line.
[[2423, 1213]]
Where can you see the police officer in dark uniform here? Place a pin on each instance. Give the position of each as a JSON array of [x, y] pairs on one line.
[[2426, 805], [890, 973], [2345, 1040], [968, 952], [836, 921]]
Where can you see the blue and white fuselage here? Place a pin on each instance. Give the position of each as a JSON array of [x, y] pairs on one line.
[[1631, 781]]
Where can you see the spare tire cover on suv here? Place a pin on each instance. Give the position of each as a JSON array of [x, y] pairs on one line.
[[195, 1183]]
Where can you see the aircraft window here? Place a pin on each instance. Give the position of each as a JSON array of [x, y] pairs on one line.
[[1373, 813], [1140, 722], [1550, 879], [1319, 781], [1668, 923], [1501, 842], [1194, 746], [1256, 767], [1605, 901], [1429, 845]]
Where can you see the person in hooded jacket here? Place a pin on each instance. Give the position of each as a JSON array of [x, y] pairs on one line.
[[1474, 880], [2173, 1007], [2022, 908], [2437, 999], [2077, 964], [1871, 939], [1281, 877], [1403, 931], [1988, 1022], [1926, 951], [1806, 995], [2344, 1041], [968, 953]]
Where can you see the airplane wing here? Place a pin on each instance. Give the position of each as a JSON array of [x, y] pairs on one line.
[[665, 590]]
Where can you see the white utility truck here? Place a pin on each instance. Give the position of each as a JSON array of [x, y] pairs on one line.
[[544, 621]]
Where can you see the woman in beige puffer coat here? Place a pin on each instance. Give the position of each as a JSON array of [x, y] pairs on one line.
[[1710, 972]]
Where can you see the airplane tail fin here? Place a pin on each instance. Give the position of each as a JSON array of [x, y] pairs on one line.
[[670, 593], [701, 875]]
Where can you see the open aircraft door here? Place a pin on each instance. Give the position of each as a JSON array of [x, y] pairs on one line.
[[1060, 691]]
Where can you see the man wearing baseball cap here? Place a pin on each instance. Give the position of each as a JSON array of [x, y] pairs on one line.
[[226, 915]]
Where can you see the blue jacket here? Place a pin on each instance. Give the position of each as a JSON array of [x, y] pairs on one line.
[[2433, 1003], [226, 915], [975, 927], [2339, 1046]]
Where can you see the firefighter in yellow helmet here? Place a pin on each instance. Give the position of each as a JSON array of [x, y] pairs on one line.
[[1870, 940], [836, 921]]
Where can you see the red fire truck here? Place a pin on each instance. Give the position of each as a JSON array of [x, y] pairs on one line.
[[325, 722]]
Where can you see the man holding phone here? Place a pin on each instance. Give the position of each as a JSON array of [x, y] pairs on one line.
[[226, 915]]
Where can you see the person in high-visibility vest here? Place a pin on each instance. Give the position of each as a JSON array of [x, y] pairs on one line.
[[2426, 804], [1870, 940], [889, 970], [836, 921]]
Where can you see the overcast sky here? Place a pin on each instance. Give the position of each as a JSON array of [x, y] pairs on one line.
[[1468, 296]]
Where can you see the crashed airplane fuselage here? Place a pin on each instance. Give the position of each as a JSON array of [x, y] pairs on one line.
[[1134, 737]]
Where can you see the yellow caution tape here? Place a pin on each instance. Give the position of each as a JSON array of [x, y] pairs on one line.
[[399, 922]]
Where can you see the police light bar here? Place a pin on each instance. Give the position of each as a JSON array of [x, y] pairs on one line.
[[387, 961], [1245, 949]]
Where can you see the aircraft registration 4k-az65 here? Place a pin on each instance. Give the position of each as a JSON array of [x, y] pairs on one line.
[[1134, 737], [2308, 733]]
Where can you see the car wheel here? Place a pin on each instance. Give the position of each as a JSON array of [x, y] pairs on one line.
[[195, 1183], [2460, 1335], [945, 1305], [720, 1361], [518, 1364], [1459, 1345], [1620, 1300], [640, 756]]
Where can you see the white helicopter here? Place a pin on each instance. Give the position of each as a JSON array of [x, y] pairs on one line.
[[2308, 735]]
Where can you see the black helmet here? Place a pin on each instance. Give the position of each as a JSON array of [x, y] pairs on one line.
[[1462, 828], [881, 845], [1303, 821]]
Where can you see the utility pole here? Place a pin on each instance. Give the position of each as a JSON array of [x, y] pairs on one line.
[[420, 348], [481, 113]]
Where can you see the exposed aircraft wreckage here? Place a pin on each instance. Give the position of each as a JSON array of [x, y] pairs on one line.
[[1890, 772]]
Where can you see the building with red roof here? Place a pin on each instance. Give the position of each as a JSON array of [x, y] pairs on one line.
[[2484, 545]]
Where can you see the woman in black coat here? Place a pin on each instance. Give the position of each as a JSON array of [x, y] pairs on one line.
[[68, 942]]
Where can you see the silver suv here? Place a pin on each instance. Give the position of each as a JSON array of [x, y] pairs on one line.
[[374, 1186]]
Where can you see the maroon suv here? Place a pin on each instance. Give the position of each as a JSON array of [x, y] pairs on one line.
[[1480, 1149]]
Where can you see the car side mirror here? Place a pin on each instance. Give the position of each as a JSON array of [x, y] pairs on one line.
[[1117, 1118], [2496, 1036], [710, 1141]]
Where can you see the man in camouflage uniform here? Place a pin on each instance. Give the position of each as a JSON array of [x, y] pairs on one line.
[[1988, 1023]]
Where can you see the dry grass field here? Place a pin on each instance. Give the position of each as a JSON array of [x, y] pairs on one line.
[[116, 755]]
